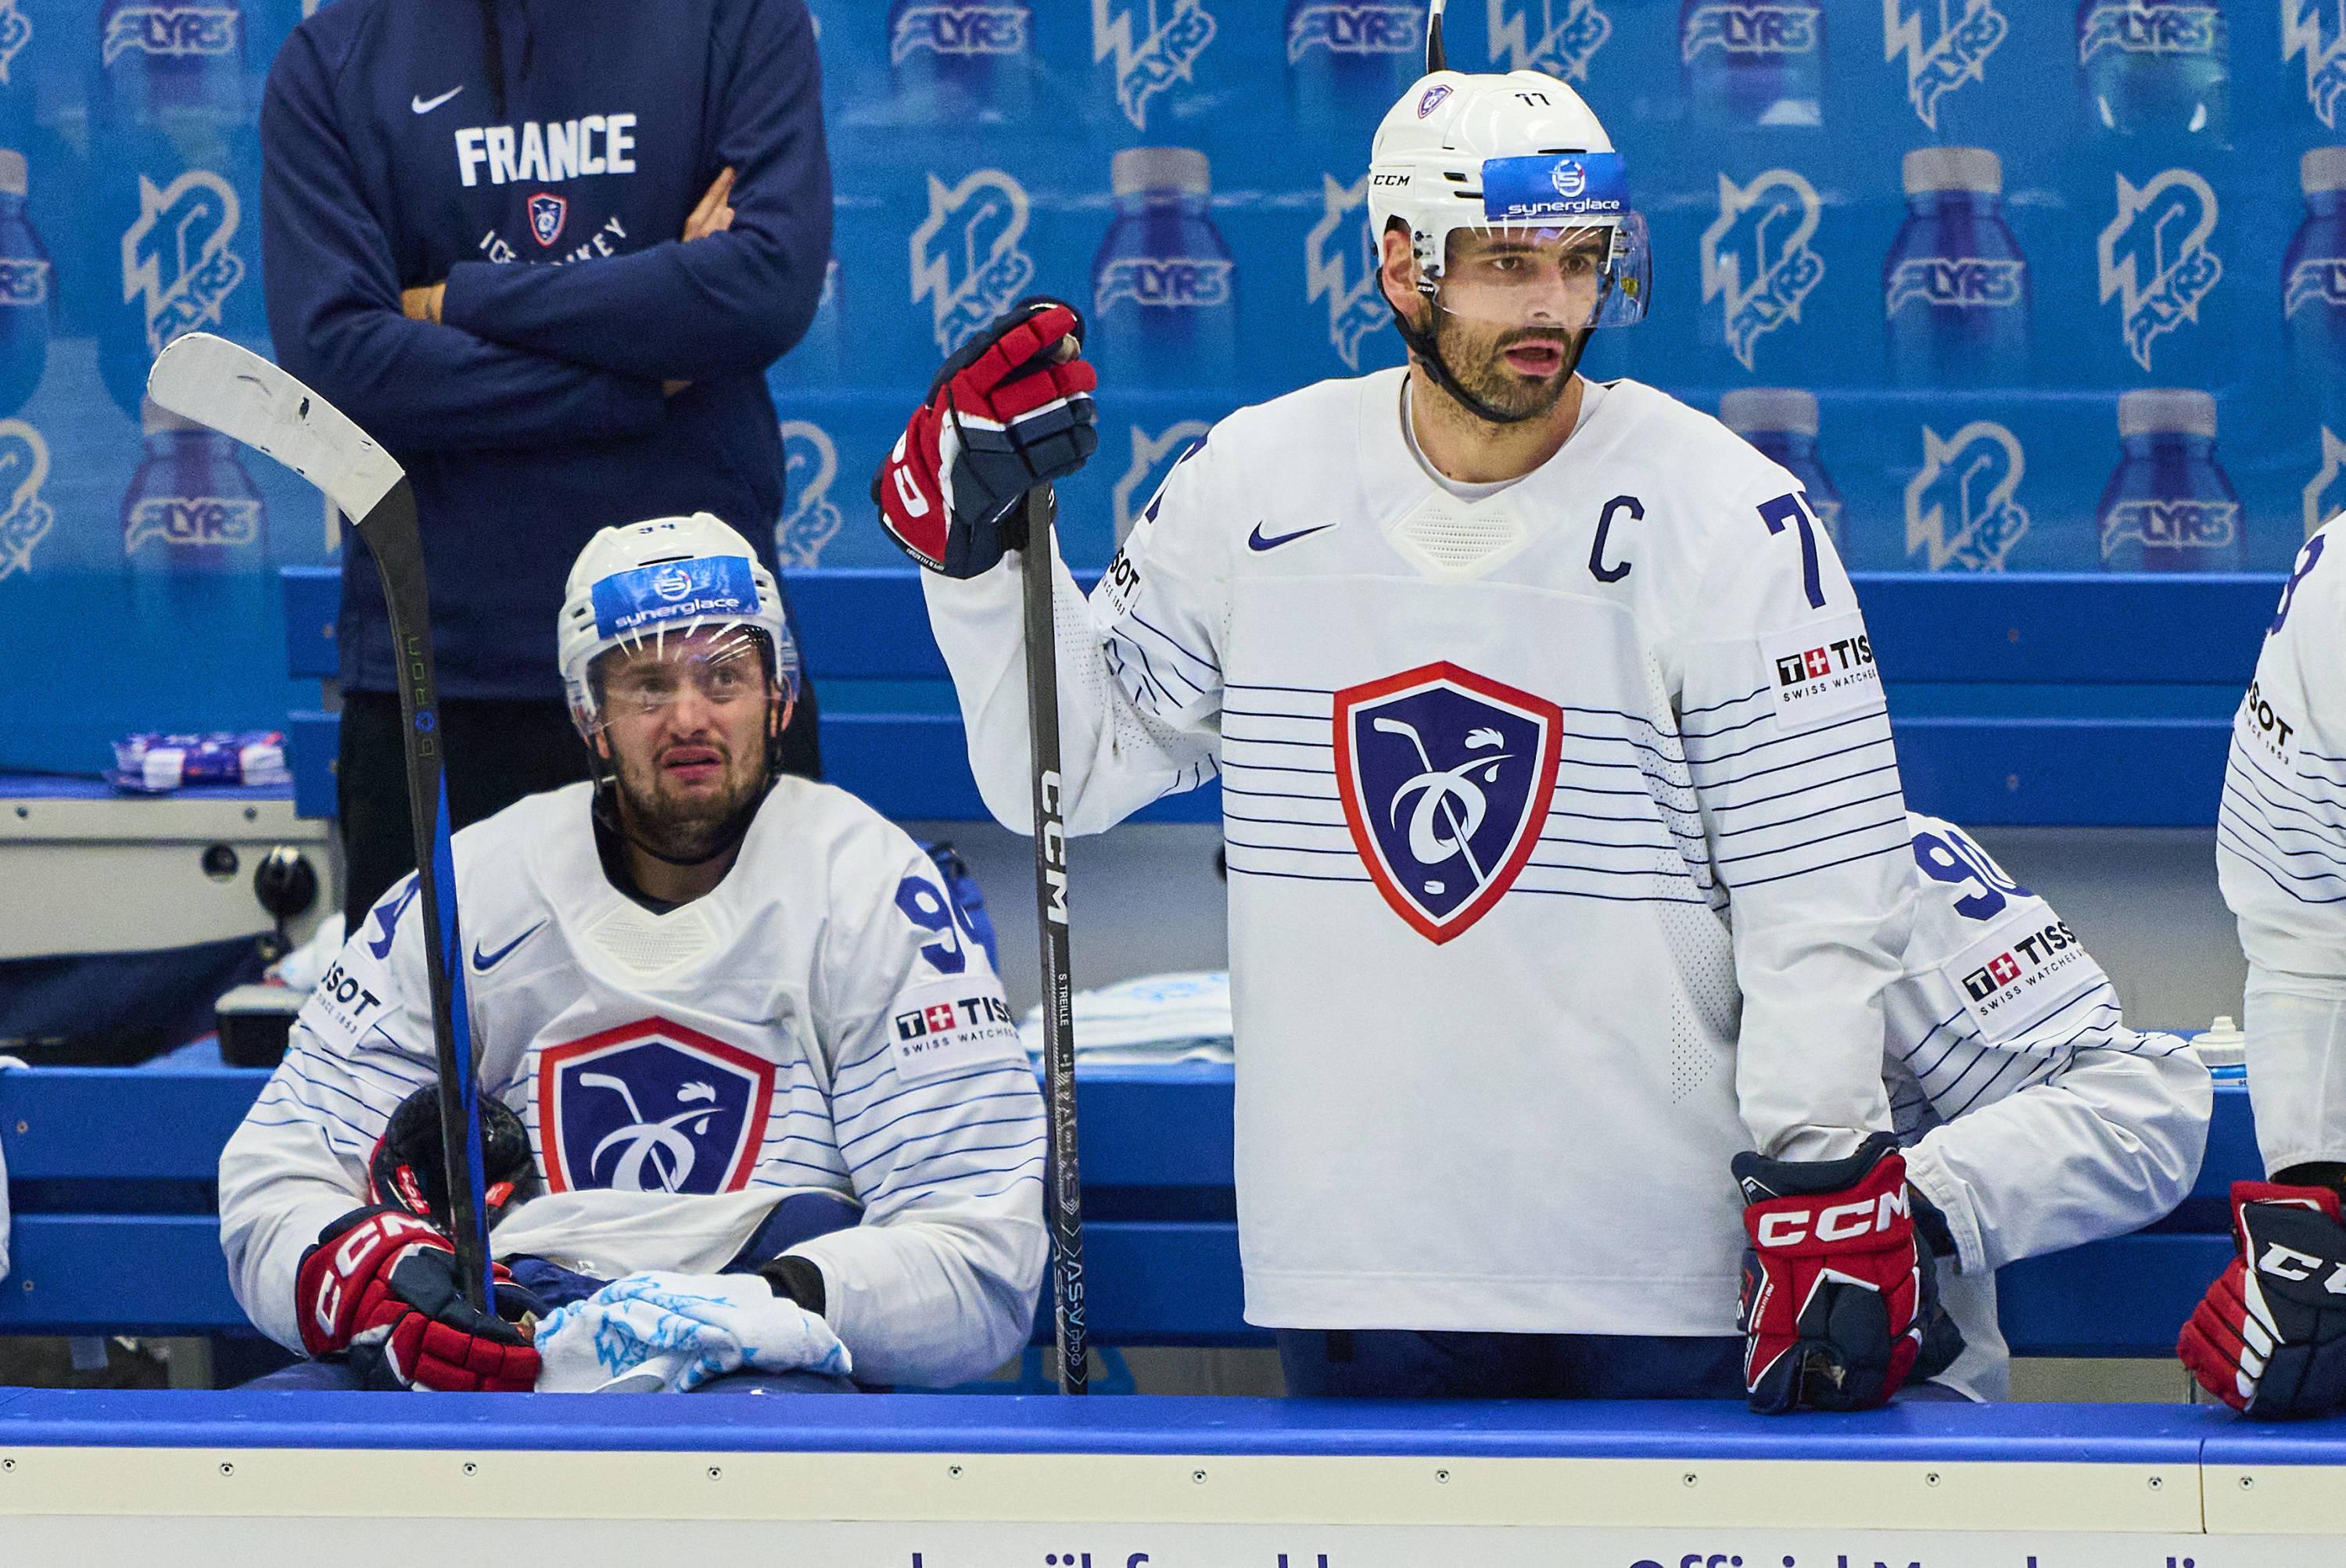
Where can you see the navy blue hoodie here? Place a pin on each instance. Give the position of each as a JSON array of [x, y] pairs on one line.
[[405, 142]]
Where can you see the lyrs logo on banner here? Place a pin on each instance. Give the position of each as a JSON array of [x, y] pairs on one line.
[[1150, 44], [2324, 496], [2154, 256], [191, 522], [966, 262], [651, 1107], [1747, 28], [1943, 43], [958, 30], [1756, 260], [15, 32], [2317, 30], [1153, 459], [811, 519], [1393, 27], [1568, 33], [1338, 244], [169, 30], [1960, 510], [1445, 776], [24, 467], [176, 260], [2149, 27]]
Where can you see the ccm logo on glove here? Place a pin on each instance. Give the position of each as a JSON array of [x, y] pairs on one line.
[[1842, 1221]]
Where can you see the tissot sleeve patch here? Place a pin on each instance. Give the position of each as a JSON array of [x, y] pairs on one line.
[[942, 1027], [2021, 973], [1820, 671]]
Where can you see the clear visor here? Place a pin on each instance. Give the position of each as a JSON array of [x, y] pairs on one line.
[[1534, 277], [722, 665]]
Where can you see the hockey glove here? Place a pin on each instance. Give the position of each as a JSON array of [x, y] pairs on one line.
[[381, 1286], [1837, 1292], [409, 1170], [1006, 414], [2269, 1337]]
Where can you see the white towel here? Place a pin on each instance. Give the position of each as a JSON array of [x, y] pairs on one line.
[[682, 1329]]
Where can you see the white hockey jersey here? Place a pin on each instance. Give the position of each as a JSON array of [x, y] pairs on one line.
[[2033, 1117], [1566, 846], [2281, 857], [821, 1023]]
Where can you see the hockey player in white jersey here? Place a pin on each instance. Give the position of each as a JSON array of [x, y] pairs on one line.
[[1565, 845], [2032, 1119], [2270, 1337], [754, 1102]]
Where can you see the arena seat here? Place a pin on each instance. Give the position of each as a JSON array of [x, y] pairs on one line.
[[111, 1173]]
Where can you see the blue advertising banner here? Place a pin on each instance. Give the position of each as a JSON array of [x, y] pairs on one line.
[[2016, 285]]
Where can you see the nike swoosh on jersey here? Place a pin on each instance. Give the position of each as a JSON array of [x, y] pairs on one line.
[[484, 962], [424, 106], [1255, 541]]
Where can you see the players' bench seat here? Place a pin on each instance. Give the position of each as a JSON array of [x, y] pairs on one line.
[[112, 1173]]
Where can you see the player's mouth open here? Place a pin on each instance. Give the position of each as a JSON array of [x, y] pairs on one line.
[[692, 764], [1536, 359]]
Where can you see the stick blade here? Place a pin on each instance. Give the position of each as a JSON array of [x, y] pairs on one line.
[[232, 390]]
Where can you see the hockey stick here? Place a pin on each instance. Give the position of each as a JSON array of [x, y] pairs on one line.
[[237, 392], [1063, 1193]]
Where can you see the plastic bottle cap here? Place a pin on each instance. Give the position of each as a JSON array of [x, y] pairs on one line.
[[1146, 168], [2322, 169], [2167, 411], [2222, 1044], [154, 419], [1930, 169], [1747, 410], [11, 172]]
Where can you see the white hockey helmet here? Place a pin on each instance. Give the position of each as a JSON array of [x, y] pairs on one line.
[[1512, 152], [671, 576]]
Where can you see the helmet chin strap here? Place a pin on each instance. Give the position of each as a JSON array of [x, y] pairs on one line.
[[1420, 346]]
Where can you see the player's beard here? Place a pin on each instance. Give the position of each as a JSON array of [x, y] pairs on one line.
[[1474, 353], [688, 826]]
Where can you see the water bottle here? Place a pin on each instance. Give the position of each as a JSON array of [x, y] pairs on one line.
[[958, 61], [1165, 301], [191, 514], [1748, 64], [1955, 285], [1348, 60], [2313, 282], [24, 291], [2168, 507], [1781, 423], [2155, 65]]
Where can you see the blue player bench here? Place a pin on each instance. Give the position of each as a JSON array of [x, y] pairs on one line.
[[111, 1173]]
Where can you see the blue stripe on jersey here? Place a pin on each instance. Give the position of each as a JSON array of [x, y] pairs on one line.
[[1902, 846], [1898, 822], [1714, 786], [1238, 870], [1172, 666], [2249, 817], [1804, 817], [2242, 757], [1300, 690], [896, 1198], [1871, 716], [1172, 642], [1230, 739], [1687, 713], [980, 1071], [1144, 692], [2248, 854], [1230, 790], [1722, 809], [2243, 820], [930, 1111]]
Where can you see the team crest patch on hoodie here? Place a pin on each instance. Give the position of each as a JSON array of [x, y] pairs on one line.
[[546, 215]]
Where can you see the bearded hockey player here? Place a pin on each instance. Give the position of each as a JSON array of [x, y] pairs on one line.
[[1566, 854], [2269, 1337], [2032, 1118], [754, 1102]]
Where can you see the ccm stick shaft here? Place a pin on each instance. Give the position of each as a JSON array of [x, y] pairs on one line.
[[1063, 1193]]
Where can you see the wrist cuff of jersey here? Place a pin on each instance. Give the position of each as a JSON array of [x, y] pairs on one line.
[[1944, 1210], [2328, 1174], [797, 1279]]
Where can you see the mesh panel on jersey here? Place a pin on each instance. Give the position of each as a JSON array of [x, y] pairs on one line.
[[1454, 535], [1103, 662], [1707, 1012], [646, 945]]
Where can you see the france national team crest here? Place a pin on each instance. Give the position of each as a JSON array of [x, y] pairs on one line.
[[1960, 510], [1944, 44], [1151, 44], [546, 214], [1569, 32], [810, 463], [1756, 260], [1340, 263], [176, 260], [651, 1107], [2316, 29], [24, 465], [966, 259], [1447, 778], [2156, 258]]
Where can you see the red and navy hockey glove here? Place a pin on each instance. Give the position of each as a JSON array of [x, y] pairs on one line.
[[1006, 414], [381, 1286], [2269, 1337], [1837, 1289], [409, 1170]]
